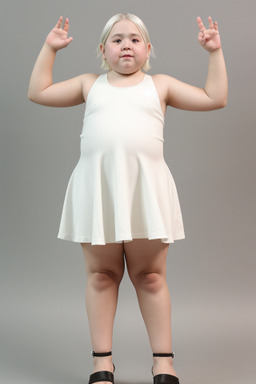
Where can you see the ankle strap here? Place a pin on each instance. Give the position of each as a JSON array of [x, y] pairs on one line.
[[164, 354], [101, 354]]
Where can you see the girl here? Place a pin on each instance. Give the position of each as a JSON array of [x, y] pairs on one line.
[[121, 203]]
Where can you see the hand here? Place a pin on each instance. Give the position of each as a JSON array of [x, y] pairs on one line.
[[57, 38], [209, 38]]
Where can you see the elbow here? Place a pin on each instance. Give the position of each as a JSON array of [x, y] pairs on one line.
[[32, 97], [223, 100], [223, 103], [29, 95], [220, 103]]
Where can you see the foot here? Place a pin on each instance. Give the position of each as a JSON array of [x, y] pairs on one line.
[[163, 365], [103, 364]]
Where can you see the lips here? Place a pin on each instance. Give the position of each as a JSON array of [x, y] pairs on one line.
[[126, 56]]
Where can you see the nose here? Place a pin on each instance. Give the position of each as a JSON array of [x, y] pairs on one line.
[[126, 44]]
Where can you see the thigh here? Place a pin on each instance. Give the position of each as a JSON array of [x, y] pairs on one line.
[[107, 258], [146, 256]]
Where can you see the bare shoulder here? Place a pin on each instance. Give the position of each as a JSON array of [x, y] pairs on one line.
[[163, 81], [88, 80], [163, 84]]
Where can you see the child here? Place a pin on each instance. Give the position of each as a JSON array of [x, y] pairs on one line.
[[121, 203]]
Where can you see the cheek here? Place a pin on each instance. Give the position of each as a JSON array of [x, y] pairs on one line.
[[111, 51], [142, 51], [142, 54]]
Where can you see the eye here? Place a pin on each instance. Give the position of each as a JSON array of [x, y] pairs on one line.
[[117, 41], [135, 40]]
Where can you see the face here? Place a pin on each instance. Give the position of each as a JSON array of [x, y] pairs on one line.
[[125, 49]]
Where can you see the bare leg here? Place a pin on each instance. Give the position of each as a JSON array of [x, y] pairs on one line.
[[146, 264], [104, 268]]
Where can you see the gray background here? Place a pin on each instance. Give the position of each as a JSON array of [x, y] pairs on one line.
[[211, 274]]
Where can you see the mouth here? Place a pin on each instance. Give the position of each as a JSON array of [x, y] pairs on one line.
[[127, 56]]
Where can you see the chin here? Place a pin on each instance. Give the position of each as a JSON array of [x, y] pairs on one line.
[[128, 71]]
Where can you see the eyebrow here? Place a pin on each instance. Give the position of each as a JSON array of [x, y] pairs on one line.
[[122, 35]]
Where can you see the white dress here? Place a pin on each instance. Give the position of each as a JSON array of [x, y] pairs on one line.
[[121, 187]]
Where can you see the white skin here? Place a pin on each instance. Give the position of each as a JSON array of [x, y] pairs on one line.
[[172, 92], [145, 259], [125, 40]]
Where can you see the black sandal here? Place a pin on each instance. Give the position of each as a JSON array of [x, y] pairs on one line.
[[164, 378], [102, 375]]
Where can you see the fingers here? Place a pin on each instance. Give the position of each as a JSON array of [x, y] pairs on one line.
[[211, 24], [69, 40], [200, 24], [66, 24], [58, 25]]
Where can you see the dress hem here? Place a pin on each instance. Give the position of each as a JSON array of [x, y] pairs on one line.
[[124, 238]]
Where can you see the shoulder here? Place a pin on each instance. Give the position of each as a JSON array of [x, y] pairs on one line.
[[88, 80], [163, 83]]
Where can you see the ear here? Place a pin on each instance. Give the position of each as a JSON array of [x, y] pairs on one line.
[[148, 49], [102, 48]]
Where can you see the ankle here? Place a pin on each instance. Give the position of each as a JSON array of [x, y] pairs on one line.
[[163, 365], [103, 363], [162, 361]]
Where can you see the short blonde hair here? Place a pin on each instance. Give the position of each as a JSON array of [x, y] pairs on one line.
[[109, 25]]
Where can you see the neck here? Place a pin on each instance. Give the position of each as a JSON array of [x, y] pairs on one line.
[[116, 76]]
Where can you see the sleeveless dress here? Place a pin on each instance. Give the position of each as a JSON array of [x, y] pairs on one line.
[[121, 187]]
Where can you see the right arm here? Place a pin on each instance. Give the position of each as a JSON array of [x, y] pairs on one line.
[[41, 88]]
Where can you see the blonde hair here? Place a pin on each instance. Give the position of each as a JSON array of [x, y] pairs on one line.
[[109, 25]]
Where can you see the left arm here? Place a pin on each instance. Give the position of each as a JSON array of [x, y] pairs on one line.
[[214, 94]]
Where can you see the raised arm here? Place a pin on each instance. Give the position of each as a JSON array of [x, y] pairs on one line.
[[41, 88], [214, 94]]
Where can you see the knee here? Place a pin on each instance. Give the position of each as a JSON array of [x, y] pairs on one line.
[[102, 280], [148, 281]]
